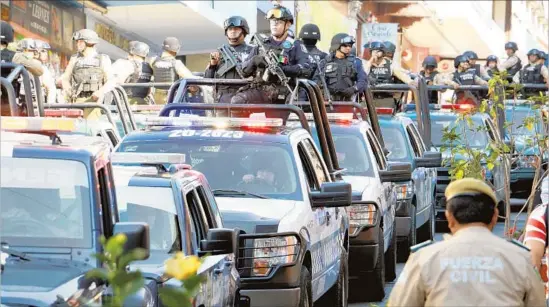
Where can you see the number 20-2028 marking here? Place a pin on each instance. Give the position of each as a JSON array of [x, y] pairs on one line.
[[207, 133]]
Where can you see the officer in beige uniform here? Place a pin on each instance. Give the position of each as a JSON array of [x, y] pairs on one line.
[[473, 267], [135, 69], [47, 80], [167, 68], [88, 76]]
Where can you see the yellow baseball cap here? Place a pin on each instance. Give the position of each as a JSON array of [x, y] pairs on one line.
[[469, 187]]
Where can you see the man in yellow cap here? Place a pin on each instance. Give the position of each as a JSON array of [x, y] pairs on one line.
[[473, 267]]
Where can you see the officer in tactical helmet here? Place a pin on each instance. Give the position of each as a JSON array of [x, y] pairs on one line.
[[9, 56], [309, 36], [432, 76], [473, 266], [534, 72], [47, 79], [543, 58], [135, 69], [390, 50], [479, 70], [88, 76], [167, 68], [236, 30], [491, 65], [512, 65], [463, 74], [381, 70], [344, 76], [292, 59]]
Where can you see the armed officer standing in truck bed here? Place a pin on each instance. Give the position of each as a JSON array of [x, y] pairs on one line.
[[292, 60], [135, 69], [512, 64], [228, 60], [344, 76], [167, 68]]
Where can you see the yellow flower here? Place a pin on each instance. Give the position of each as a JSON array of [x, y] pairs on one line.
[[119, 238], [182, 267]]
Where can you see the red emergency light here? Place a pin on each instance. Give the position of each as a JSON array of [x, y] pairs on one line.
[[458, 107], [71, 113], [385, 111]]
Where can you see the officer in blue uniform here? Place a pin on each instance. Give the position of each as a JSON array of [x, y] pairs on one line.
[[492, 65], [473, 266], [293, 60], [236, 30], [344, 76], [479, 70], [309, 36]]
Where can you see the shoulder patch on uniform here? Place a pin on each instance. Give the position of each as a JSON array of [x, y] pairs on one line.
[[518, 243], [287, 44], [419, 246]]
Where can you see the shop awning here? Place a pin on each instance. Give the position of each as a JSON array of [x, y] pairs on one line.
[[154, 22]]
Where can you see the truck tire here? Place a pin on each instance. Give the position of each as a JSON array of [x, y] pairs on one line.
[[371, 287], [338, 295], [306, 296], [391, 257], [403, 250]]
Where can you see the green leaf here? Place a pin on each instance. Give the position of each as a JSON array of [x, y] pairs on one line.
[[98, 274], [131, 256], [174, 297], [193, 283], [124, 277]]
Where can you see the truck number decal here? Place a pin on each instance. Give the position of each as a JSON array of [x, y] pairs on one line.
[[207, 133]]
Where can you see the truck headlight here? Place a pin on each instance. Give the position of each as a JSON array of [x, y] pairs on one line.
[[272, 252], [404, 190], [361, 215], [526, 161]]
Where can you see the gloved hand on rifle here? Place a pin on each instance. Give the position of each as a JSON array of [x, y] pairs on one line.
[[259, 61], [349, 92]]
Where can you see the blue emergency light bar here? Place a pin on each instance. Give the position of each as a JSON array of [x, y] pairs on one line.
[[147, 158], [216, 122]]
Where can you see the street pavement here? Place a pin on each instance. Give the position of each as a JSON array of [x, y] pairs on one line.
[[499, 229]]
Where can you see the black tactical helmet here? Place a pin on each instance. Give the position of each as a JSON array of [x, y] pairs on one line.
[[237, 21], [389, 47], [491, 58], [7, 32], [458, 60], [340, 39], [534, 52], [139, 48], [281, 13], [171, 44], [377, 46], [511, 45], [470, 55], [429, 61], [542, 55], [309, 31]]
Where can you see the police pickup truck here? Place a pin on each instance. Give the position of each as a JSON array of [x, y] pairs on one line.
[[372, 256], [272, 182], [415, 214], [57, 198], [478, 136], [179, 207]]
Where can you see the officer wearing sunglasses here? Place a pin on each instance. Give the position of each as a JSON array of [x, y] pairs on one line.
[[344, 75], [292, 55], [236, 30]]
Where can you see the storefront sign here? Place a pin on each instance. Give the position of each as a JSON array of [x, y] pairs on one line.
[[108, 34], [380, 32]]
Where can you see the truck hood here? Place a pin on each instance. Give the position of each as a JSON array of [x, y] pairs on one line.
[[38, 281], [253, 215], [522, 147], [362, 184]]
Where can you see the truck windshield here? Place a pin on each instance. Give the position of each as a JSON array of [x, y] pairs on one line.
[[45, 203], [154, 206], [262, 168], [352, 154], [468, 134], [396, 143], [517, 116]]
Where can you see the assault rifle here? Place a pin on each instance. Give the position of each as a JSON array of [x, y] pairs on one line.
[[323, 80], [272, 62], [230, 61]]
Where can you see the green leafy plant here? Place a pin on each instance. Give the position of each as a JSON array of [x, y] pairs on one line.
[[183, 268], [115, 273]]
